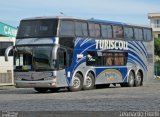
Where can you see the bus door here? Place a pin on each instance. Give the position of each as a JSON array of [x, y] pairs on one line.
[[64, 62]]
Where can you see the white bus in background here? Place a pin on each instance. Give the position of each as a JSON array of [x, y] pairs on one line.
[[6, 67]]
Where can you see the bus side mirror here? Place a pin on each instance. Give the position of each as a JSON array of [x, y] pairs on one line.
[[7, 52]]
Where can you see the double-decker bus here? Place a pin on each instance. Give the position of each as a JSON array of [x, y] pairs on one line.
[[56, 52]]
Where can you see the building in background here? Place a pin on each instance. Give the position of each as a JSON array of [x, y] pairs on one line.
[[155, 23], [7, 38]]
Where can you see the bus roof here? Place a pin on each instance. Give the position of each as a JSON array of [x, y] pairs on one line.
[[91, 19]]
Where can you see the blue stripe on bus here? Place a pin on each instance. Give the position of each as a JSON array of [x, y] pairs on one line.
[[137, 57], [132, 56], [135, 47], [142, 49], [131, 61]]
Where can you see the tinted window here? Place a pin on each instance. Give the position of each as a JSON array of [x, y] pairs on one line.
[[91, 58], [128, 32], [67, 28], [106, 31], [39, 28], [118, 32], [84, 29], [91, 30], [138, 34], [78, 27], [4, 46], [94, 30], [147, 34], [97, 30], [106, 58]]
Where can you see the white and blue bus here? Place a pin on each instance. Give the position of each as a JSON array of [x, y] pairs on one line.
[[56, 52]]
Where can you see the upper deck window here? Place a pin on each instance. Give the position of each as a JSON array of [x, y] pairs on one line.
[[67, 28], [94, 30], [128, 33], [81, 29], [38, 28], [117, 31], [106, 31], [138, 33], [78, 26], [147, 34]]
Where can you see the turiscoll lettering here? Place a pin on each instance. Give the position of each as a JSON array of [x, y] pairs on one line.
[[111, 44]]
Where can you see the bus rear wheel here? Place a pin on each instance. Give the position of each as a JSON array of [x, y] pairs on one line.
[[89, 82], [138, 79], [77, 83], [41, 90], [131, 79]]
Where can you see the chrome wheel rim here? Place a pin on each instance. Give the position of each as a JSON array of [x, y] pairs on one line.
[[139, 77], [76, 82], [88, 81], [132, 79]]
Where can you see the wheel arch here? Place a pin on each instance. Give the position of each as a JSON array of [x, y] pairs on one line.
[[77, 71]]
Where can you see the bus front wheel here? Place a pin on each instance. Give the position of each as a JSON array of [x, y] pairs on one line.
[[77, 83]]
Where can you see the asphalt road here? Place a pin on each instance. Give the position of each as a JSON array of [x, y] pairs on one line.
[[145, 98]]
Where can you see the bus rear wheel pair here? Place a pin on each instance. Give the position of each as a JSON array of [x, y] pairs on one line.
[[133, 80], [78, 82]]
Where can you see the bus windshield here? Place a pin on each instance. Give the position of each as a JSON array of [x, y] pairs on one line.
[[38, 28], [34, 58]]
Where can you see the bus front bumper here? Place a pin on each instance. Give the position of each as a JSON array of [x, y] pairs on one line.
[[33, 84]]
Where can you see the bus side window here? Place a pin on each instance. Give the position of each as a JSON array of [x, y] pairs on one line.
[[67, 28], [117, 31], [108, 59], [94, 30], [119, 59], [147, 34], [106, 31], [78, 29], [138, 34], [84, 29], [91, 29], [128, 32], [91, 59]]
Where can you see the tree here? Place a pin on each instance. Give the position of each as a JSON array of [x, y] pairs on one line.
[[157, 47]]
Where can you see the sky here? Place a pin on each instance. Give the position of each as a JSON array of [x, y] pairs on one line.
[[128, 11]]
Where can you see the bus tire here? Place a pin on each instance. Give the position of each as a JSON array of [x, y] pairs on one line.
[[131, 79], [138, 79], [41, 90], [77, 83], [90, 82]]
